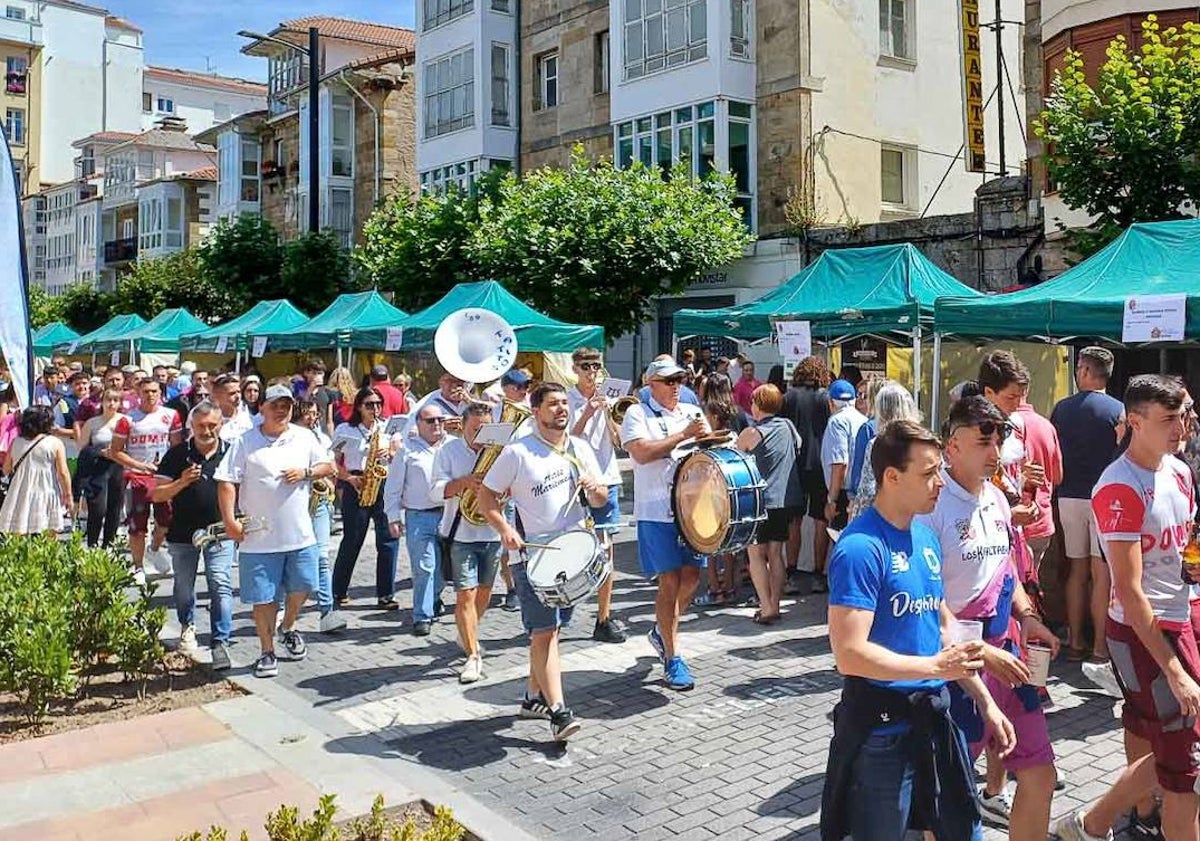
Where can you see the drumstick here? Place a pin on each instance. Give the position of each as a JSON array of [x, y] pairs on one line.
[[542, 546]]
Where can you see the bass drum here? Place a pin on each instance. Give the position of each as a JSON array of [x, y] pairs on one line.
[[717, 500]]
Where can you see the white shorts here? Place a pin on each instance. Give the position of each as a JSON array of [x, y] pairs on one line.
[[1078, 528]]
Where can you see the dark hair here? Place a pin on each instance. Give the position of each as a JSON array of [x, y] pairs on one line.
[[585, 354], [972, 411], [1000, 369], [316, 364], [775, 378], [812, 371], [359, 399], [538, 395], [226, 379], [35, 421], [474, 408], [303, 406], [1098, 360], [8, 394], [851, 374], [1167, 392], [718, 402], [80, 375], [159, 368], [893, 446]]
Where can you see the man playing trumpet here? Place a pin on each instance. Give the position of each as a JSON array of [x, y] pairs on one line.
[[591, 420]]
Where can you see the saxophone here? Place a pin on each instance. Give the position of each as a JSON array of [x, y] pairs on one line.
[[375, 469], [468, 502], [321, 491]]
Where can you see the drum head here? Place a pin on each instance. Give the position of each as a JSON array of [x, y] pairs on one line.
[[571, 554], [701, 503]]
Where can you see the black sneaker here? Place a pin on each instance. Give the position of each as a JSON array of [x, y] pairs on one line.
[[563, 724], [511, 602], [220, 657], [294, 643], [421, 629], [609, 631], [792, 586], [1149, 827], [820, 584], [266, 665], [535, 708]]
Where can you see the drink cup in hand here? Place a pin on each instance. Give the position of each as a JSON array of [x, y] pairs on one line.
[[964, 630], [1037, 657]]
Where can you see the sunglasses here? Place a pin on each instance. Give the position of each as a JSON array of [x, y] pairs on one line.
[[371, 404], [674, 381], [589, 366], [433, 421], [988, 428]]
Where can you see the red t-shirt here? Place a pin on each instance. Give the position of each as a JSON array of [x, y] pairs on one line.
[[1041, 447], [394, 402], [147, 438]]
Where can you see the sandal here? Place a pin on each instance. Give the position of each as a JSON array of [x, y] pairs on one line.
[[1077, 655], [760, 619]]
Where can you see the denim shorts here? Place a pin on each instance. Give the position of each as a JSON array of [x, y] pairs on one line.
[[474, 564], [608, 516], [535, 616], [263, 576], [661, 550]]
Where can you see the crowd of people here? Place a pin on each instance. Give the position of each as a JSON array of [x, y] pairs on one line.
[[930, 545]]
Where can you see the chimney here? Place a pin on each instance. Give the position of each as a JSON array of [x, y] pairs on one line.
[[172, 123]]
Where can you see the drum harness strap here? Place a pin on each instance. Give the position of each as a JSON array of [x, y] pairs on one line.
[[567, 452]]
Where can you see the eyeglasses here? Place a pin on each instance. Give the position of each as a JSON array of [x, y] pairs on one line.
[[674, 381], [371, 404], [433, 421], [589, 366], [988, 428]]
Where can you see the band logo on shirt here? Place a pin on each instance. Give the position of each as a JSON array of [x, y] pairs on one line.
[[556, 479]]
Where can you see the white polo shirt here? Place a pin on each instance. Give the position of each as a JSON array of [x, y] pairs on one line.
[[652, 481], [453, 461], [543, 483], [595, 433], [353, 442], [256, 463], [973, 533], [410, 478]]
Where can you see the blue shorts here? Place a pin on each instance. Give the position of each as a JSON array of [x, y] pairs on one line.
[[608, 516], [263, 576], [535, 616], [660, 550], [474, 564]]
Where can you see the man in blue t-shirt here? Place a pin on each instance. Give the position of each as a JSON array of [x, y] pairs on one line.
[[1090, 427], [886, 624]]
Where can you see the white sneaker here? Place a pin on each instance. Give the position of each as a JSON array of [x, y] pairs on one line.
[[159, 560], [1102, 675], [139, 576], [472, 670], [995, 808], [332, 621], [1070, 828], [187, 640]]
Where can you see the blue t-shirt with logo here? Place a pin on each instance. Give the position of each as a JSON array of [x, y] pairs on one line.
[[897, 575]]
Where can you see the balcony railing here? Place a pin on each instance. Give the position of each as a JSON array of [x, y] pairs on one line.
[[120, 250]]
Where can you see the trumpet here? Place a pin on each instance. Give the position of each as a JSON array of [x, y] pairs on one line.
[[203, 538]]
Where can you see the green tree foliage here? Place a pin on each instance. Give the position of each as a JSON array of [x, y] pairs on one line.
[[244, 256], [177, 280], [83, 307], [1125, 149], [44, 308], [315, 270], [586, 243]]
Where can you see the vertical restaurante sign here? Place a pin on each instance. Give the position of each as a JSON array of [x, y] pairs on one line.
[[972, 85]]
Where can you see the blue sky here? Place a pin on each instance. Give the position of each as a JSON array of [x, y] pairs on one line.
[[189, 34]]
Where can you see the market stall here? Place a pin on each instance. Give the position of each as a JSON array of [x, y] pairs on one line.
[[211, 348], [119, 327]]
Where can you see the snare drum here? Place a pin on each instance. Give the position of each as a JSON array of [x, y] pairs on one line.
[[571, 569], [717, 500]]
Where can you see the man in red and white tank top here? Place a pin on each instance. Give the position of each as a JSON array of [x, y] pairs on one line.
[[140, 440], [1144, 505]]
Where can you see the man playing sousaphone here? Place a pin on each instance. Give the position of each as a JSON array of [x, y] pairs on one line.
[[591, 421], [451, 397], [543, 472]]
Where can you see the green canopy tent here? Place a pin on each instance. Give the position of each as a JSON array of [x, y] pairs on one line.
[[119, 327], [361, 319], [46, 338], [158, 335], [265, 317], [535, 331], [887, 290]]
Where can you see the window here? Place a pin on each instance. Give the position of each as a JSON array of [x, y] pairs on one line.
[[280, 147], [165, 105], [14, 126], [14, 13], [438, 12], [341, 214], [893, 183], [501, 6], [663, 33], [546, 81], [740, 157], [145, 166], [227, 167], [285, 73], [147, 102], [894, 25], [600, 62], [173, 232], [459, 176], [740, 29], [342, 139], [16, 74], [500, 86], [150, 223], [249, 187], [450, 93]]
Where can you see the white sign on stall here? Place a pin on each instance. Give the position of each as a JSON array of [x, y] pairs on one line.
[[222, 344], [260, 346], [1154, 318], [71, 349], [395, 338], [795, 339], [115, 358]]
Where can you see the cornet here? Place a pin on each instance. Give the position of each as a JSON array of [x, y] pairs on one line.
[[203, 538]]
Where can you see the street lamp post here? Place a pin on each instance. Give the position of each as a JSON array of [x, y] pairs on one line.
[[314, 117]]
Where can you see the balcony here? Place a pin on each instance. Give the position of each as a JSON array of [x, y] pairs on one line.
[[25, 32], [120, 250]]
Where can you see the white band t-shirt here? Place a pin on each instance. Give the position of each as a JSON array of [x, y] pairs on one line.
[[543, 483], [652, 481]]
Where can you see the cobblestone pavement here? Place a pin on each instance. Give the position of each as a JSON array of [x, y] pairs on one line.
[[741, 756]]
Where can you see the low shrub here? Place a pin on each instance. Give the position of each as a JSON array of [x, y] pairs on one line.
[[64, 608], [285, 824]]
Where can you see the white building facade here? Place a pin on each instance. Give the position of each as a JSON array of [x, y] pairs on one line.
[[201, 100]]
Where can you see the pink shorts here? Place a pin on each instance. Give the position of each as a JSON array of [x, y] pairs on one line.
[[1033, 732]]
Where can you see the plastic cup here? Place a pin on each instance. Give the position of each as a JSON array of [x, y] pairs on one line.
[[964, 630], [1037, 657]]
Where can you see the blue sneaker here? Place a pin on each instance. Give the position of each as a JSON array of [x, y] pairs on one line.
[[656, 642], [679, 676]]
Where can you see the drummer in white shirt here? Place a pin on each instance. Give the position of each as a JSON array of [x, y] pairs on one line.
[[650, 432], [590, 420], [543, 472]]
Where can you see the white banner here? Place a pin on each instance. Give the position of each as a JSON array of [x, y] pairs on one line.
[[795, 339], [16, 340], [395, 338], [260, 346], [1154, 318], [115, 358], [222, 344]]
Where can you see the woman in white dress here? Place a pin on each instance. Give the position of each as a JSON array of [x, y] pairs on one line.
[[40, 488]]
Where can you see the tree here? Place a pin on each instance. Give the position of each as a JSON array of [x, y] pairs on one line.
[[177, 280], [586, 243], [244, 256], [83, 307], [315, 270], [44, 308], [1125, 149]]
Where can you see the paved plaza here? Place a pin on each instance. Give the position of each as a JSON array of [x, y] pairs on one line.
[[741, 756]]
